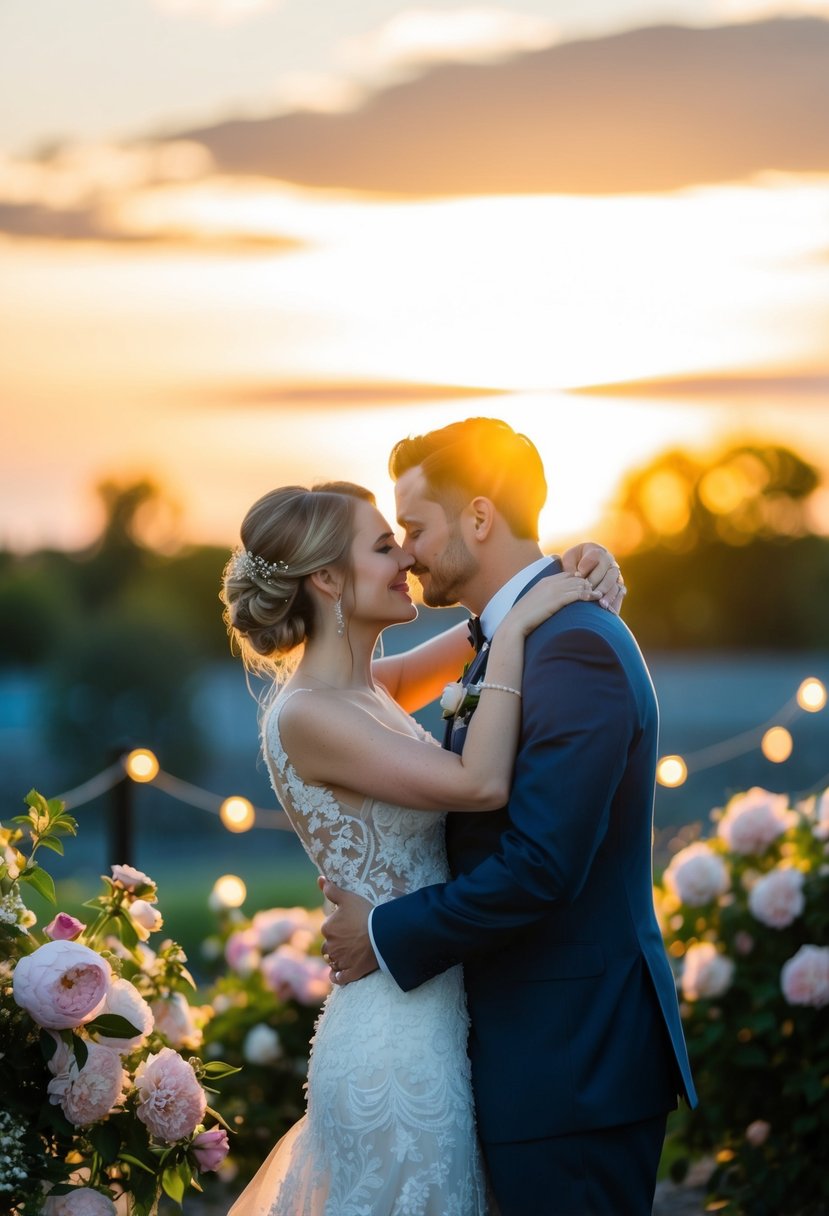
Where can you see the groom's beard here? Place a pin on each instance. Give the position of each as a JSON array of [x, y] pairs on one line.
[[444, 580]]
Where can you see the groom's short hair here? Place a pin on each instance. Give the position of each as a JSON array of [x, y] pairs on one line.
[[479, 456]]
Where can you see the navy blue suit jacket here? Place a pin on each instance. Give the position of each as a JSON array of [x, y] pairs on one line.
[[574, 1015]]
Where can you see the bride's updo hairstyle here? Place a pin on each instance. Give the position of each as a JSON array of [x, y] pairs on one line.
[[286, 535]]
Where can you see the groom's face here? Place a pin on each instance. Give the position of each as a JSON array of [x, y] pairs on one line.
[[442, 561]]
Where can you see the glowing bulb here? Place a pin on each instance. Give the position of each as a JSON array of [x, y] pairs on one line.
[[229, 891], [777, 744], [141, 765], [671, 771], [237, 814], [811, 695]]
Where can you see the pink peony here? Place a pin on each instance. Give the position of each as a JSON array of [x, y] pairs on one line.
[[697, 875], [87, 1094], [170, 1100], [64, 928], [805, 977], [753, 820], [757, 1133], [210, 1148], [705, 972], [82, 1201], [242, 951], [276, 926], [130, 879], [62, 984], [124, 999], [292, 975], [777, 898], [175, 1021]]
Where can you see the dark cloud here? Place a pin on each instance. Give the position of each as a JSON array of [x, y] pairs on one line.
[[648, 110]]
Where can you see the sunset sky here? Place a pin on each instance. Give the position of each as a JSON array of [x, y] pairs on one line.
[[244, 242]]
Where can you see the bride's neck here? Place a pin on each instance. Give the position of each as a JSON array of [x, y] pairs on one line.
[[338, 662]]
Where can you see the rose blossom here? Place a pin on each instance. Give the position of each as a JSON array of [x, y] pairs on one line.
[[697, 875], [753, 820], [210, 1148], [62, 984], [705, 973], [130, 879], [261, 1045], [277, 925], [86, 1094], [242, 951], [293, 975], [805, 977], [777, 898], [174, 1020], [82, 1201], [452, 698], [170, 1100], [757, 1133], [64, 928], [145, 918], [124, 999]]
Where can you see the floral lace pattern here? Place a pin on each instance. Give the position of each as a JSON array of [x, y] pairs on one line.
[[389, 1128]]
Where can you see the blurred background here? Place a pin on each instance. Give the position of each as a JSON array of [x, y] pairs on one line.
[[243, 243]]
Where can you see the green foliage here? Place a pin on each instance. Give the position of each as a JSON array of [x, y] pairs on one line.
[[759, 1053]]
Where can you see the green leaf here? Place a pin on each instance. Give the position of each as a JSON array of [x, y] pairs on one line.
[[126, 929], [80, 1049], [215, 1114], [131, 1160], [172, 1184], [37, 802], [42, 882], [113, 1026], [48, 1046], [52, 842], [106, 1141], [216, 1068]]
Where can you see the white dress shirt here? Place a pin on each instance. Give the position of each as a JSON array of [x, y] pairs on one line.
[[491, 618]]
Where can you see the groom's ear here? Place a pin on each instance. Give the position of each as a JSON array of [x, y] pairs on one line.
[[479, 516]]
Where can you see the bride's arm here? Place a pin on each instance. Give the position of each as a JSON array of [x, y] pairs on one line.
[[417, 676], [333, 741]]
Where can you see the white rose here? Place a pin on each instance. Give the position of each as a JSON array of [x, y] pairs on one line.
[[82, 1201], [705, 972], [261, 1045], [697, 875], [124, 999], [777, 898], [174, 1020], [753, 820], [804, 979], [452, 698], [145, 918]]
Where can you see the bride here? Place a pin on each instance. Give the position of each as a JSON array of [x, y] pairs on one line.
[[389, 1127]]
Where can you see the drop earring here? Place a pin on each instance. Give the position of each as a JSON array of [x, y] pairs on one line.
[[338, 614]]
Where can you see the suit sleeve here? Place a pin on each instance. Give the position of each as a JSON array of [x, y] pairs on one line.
[[578, 725]]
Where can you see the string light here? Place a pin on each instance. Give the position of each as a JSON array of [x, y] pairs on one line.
[[811, 695], [142, 765], [777, 744], [237, 814], [671, 771], [229, 891]]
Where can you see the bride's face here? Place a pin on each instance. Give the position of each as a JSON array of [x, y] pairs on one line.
[[380, 587]]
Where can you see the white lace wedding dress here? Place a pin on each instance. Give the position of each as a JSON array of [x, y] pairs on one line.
[[389, 1127]]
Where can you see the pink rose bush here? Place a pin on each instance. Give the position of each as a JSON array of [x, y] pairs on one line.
[[270, 983], [745, 916], [100, 1113]]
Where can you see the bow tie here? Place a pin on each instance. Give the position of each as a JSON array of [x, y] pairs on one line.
[[476, 634]]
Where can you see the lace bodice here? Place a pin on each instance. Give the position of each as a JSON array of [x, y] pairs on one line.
[[378, 850]]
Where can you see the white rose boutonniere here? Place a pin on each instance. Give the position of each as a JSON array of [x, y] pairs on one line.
[[459, 699]]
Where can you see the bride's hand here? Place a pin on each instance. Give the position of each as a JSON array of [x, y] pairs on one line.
[[545, 598]]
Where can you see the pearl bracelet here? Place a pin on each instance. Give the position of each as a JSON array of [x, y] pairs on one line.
[[501, 688]]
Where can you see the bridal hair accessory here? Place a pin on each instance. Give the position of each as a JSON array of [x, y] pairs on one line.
[[338, 613], [258, 567]]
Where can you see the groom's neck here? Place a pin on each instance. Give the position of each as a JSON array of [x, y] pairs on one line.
[[496, 566]]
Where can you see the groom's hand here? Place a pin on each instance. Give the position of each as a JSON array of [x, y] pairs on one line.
[[346, 944], [595, 563]]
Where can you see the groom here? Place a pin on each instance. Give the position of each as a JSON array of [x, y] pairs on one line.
[[576, 1042]]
